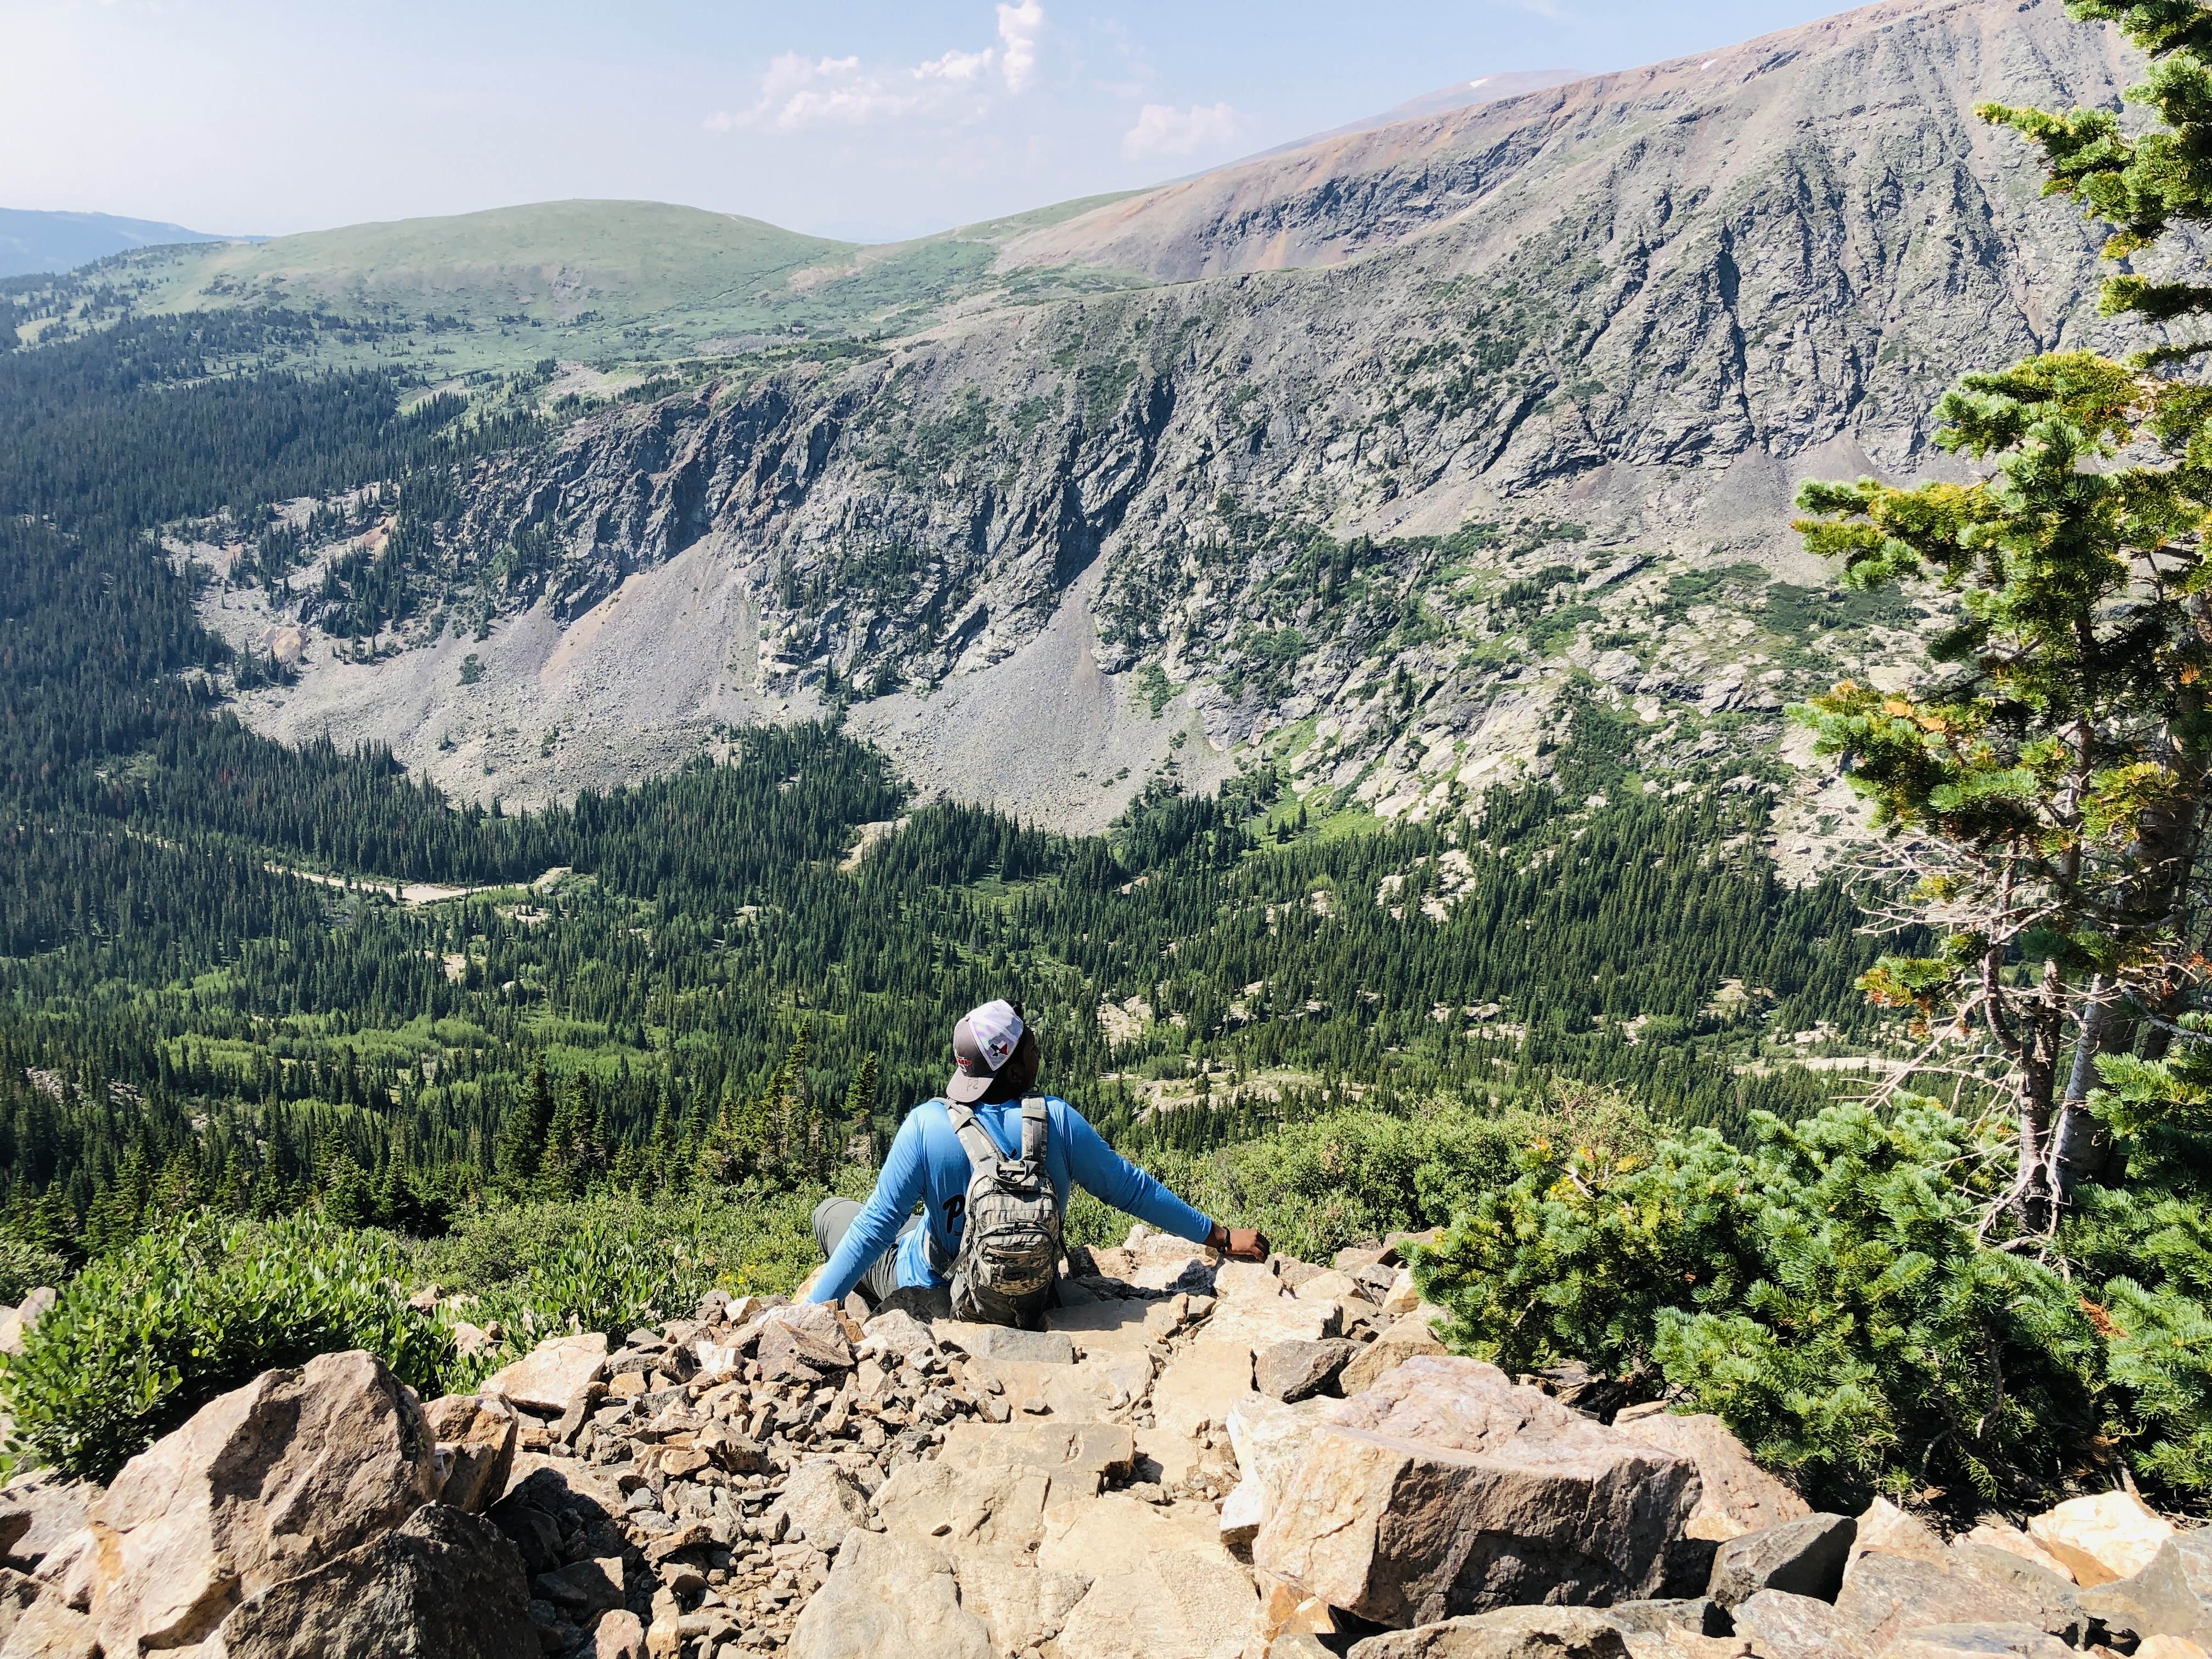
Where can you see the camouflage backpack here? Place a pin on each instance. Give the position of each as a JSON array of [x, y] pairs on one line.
[[1009, 1258]]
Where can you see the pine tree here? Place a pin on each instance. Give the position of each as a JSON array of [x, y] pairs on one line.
[[2058, 770], [521, 1146]]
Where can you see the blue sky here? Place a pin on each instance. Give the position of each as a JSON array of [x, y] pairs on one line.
[[865, 118]]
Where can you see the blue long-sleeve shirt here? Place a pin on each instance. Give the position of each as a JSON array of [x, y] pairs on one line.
[[926, 1162]]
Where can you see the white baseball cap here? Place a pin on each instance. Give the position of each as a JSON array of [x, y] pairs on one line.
[[983, 1040]]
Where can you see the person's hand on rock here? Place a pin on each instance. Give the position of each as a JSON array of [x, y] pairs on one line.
[[1240, 1243]]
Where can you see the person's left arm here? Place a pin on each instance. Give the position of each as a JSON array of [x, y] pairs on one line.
[[1097, 1168]]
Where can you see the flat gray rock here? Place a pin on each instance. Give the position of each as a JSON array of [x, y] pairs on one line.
[[1785, 1626]]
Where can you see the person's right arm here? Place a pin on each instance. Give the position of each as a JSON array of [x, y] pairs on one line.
[[898, 1188]]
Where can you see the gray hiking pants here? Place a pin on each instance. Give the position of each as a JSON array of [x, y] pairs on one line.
[[833, 1219]]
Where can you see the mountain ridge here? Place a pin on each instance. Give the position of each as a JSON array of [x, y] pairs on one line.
[[37, 240], [1388, 514]]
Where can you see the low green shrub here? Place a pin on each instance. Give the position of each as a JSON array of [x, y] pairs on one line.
[[141, 1339], [1355, 1174], [1826, 1292], [613, 1263]]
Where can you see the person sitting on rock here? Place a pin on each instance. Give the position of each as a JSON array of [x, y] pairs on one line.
[[991, 1162]]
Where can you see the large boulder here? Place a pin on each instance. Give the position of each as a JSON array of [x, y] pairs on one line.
[[552, 1374], [1446, 1489], [1736, 1495], [443, 1585], [1805, 1557], [476, 1433], [1885, 1595], [264, 1483], [2113, 1536]]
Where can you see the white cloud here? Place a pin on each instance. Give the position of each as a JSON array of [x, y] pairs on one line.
[[1162, 130], [1019, 28], [798, 94]]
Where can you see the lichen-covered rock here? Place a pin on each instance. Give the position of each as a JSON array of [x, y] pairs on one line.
[[1448, 1489]]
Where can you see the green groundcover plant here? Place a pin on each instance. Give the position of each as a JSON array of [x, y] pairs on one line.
[[1824, 1291]]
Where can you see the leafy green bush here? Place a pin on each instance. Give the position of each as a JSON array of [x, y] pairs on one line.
[[1825, 1294], [612, 1264], [25, 1266], [141, 1339], [1317, 1186]]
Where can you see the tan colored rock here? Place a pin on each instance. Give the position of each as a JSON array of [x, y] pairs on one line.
[[1117, 1533], [1404, 1295], [1785, 1626], [38, 1511], [1886, 1527], [1446, 1489], [1202, 1383], [2111, 1535], [265, 1482], [1080, 1457], [50, 1629], [551, 1374], [821, 1503], [2169, 1647], [16, 1324], [1330, 1285], [1737, 1495], [442, 1585], [1285, 1609], [889, 1598], [972, 1511], [619, 1635], [1261, 1323], [1172, 1603], [476, 1435], [1022, 1606], [1506, 1633], [1411, 1336], [1245, 1281], [2013, 1541]]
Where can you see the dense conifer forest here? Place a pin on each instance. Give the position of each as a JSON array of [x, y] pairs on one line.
[[210, 991]]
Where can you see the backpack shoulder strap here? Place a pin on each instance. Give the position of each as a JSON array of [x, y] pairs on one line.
[[1036, 1130], [982, 1152]]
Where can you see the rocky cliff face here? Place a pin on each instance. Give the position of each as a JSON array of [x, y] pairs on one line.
[[1419, 438]]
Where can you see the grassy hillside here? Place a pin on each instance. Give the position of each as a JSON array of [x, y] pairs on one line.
[[605, 283]]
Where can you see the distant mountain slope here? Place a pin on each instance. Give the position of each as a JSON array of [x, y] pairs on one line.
[[1460, 95], [1856, 90], [31, 240], [1416, 442]]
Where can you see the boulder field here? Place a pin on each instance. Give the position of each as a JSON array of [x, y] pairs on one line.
[[1193, 1460]]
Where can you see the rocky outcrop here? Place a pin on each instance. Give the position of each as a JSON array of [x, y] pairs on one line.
[[1446, 1488], [1603, 326], [441, 1585], [269, 1481]]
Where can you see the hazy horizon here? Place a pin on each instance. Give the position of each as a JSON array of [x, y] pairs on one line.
[[859, 119]]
